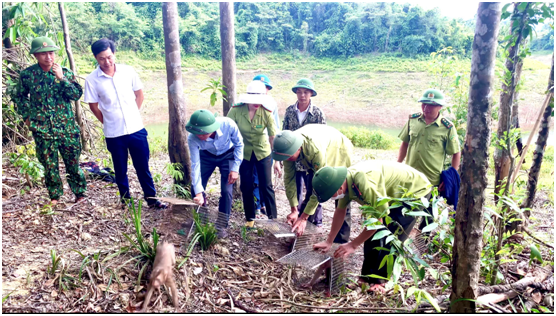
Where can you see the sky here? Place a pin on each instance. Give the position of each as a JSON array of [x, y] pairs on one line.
[[452, 9]]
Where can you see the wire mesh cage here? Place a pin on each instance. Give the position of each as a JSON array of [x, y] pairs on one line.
[[311, 260], [283, 230]]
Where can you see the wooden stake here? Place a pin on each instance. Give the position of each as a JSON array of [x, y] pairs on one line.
[[524, 151]]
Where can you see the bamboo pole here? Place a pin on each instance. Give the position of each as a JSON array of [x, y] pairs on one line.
[[67, 42], [533, 132]]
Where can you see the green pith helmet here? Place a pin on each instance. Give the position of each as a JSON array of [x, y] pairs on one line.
[[264, 79], [286, 144], [305, 83], [433, 96], [202, 122], [43, 44], [327, 181]]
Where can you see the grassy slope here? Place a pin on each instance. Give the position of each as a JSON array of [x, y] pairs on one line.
[[370, 90], [378, 90]]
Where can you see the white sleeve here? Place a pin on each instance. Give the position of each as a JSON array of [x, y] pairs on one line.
[[91, 95], [136, 81]]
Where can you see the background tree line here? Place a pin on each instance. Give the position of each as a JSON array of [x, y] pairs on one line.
[[323, 29]]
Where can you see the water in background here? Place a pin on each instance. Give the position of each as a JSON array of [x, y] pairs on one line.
[[161, 130]]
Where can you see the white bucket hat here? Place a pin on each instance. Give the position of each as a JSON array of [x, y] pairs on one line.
[[256, 94]]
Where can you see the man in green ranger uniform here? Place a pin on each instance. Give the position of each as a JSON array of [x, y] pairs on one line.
[[43, 98], [364, 183], [428, 137], [314, 146]]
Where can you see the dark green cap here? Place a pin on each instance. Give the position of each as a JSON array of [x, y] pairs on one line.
[[327, 181], [433, 97], [305, 83], [42, 44], [286, 143], [202, 122]]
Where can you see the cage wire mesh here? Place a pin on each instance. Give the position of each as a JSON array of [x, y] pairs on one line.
[[310, 261]]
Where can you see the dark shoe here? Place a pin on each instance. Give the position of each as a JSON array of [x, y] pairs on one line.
[[222, 233], [79, 198], [158, 205]]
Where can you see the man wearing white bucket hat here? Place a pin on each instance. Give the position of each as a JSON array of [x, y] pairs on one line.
[[252, 118]]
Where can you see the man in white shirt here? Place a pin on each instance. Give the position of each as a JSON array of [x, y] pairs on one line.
[[115, 95]]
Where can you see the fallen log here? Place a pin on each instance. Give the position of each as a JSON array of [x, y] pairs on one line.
[[518, 286], [507, 291], [546, 286], [496, 297]]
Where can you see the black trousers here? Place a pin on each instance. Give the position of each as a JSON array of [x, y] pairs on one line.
[[224, 162], [137, 146], [343, 235], [306, 178], [265, 186], [373, 257]]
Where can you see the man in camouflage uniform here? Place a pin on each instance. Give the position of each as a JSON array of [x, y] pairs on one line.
[[301, 113], [427, 138], [43, 99]]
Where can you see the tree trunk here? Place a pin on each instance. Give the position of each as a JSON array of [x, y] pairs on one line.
[[387, 38], [468, 230], [178, 149], [77, 104], [502, 156], [538, 154], [227, 42]]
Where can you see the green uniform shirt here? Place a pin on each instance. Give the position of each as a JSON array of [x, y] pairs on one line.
[[322, 146], [369, 180], [252, 131], [46, 102], [429, 144]]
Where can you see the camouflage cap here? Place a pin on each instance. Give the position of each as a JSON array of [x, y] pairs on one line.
[[43, 44]]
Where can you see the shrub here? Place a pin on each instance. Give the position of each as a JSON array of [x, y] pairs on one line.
[[363, 137]]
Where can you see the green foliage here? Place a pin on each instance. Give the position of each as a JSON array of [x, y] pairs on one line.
[[215, 87], [175, 170], [363, 137], [25, 158], [206, 232], [190, 247], [245, 234], [144, 246]]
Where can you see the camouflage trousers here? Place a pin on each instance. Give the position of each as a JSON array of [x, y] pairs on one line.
[[70, 150]]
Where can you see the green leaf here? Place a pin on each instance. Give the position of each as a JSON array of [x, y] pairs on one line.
[[383, 262], [425, 202], [430, 227], [418, 213], [422, 273], [522, 6], [432, 301], [389, 239], [536, 254], [381, 234]]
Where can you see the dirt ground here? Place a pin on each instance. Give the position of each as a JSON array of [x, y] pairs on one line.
[[238, 274]]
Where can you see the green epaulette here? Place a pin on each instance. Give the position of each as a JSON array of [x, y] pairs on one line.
[[416, 115], [237, 104], [447, 123]]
